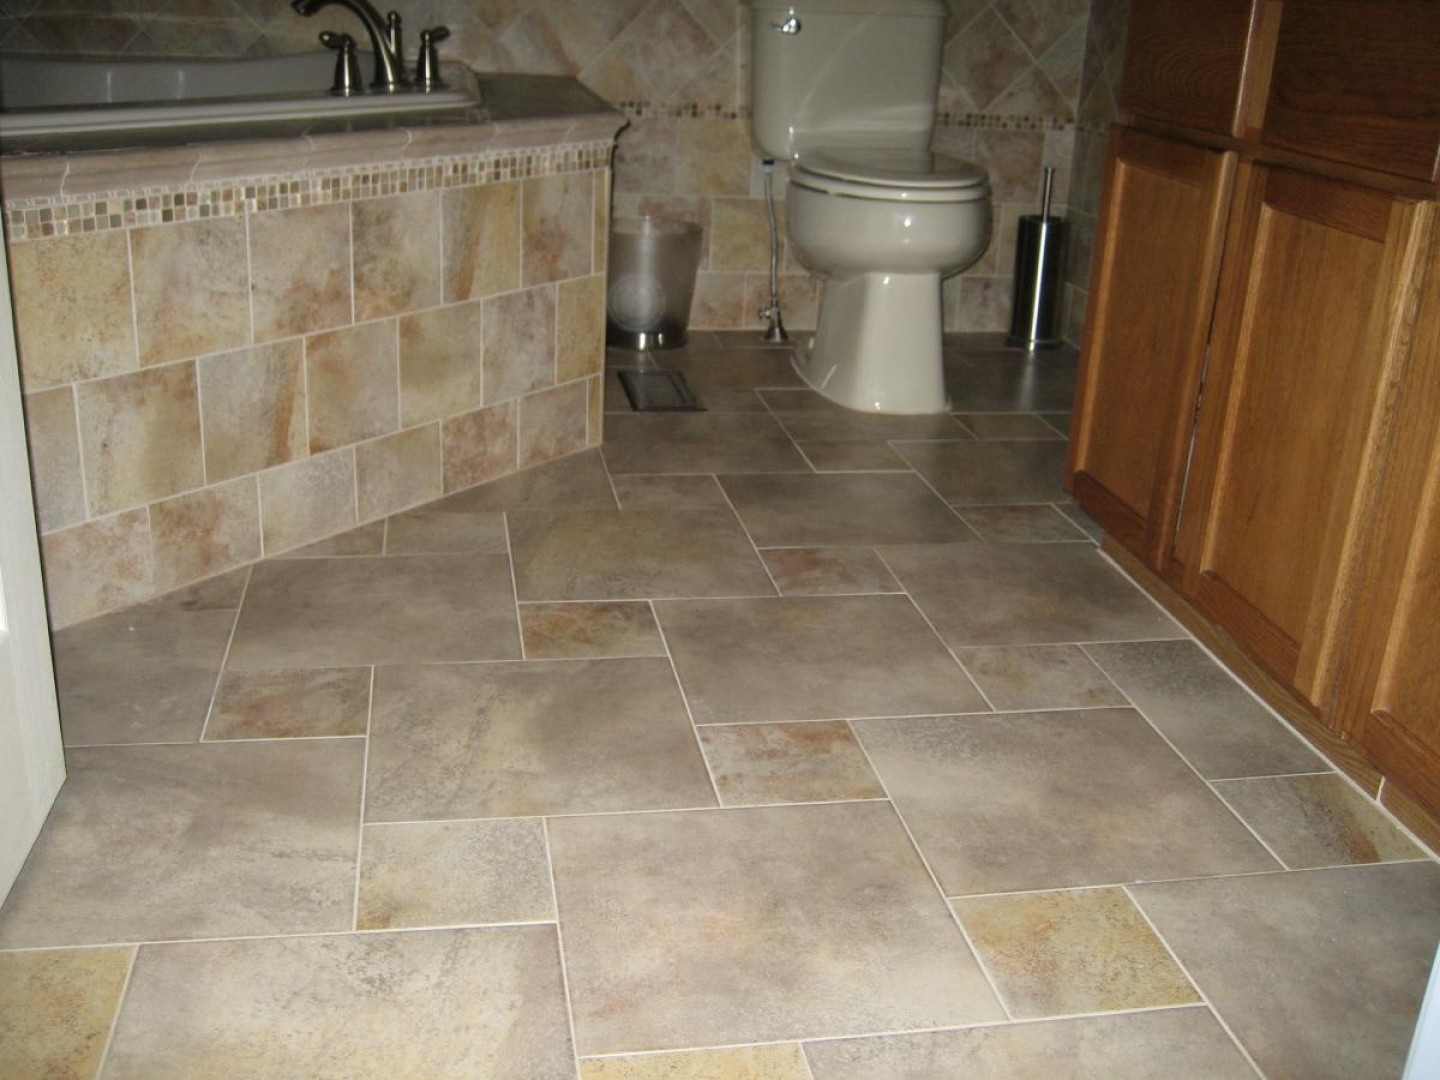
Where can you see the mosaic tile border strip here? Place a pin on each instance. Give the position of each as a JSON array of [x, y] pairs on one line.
[[35, 219], [993, 122]]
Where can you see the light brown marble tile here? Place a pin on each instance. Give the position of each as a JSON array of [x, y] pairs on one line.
[[54, 443], [367, 539], [1039, 677], [819, 761], [578, 482], [56, 1008], [719, 300], [220, 593], [1210, 718], [1032, 594], [712, 157], [1317, 820], [638, 492], [754, 925], [140, 437], [1167, 1044], [97, 566], [556, 227], [1022, 525], [740, 235], [253, 404], [989, 472], [1060, 953], [397, 471], [205, 532], [167, 842], [589, 631], [519, 343], [440, 362], [191, 288], [852, 456], [351, 380], [386, 610], [1345, 955], [479, 446], [633, 555], [283, 704], [300, 270], [715, 442], [595, 422], [511, 740], [454, 873], [1008, 426], [828, 571], [397, 253], [73, 316], [553, 423], [429, 532], [580, 335], [480, 230], [824, 511], [668, 52], [493, 1003], [1054, 799], [778, 1062], [811, 658], [307, 500]]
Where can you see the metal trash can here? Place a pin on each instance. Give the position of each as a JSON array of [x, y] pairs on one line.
[[652, 268], [1039, 262]]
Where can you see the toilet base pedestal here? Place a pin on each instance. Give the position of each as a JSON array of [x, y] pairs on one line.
[[877, 345]]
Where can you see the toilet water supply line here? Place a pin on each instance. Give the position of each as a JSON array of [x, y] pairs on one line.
[[776, 333]]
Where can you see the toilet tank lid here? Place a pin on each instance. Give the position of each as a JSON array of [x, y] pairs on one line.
[[934, 8]]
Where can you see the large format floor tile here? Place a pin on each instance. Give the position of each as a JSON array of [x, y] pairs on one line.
[[726, 927], [437, 1004], [1319, 973], [808, 416], [985, 473], [578, 482], [511, 740], [1032, 594], [823, 511], [811, 658], [56, 1008], [634, 554], [1056, 799], [699, 443], [1001, 380], [1170, 1044], [159, 842], [379, 610]]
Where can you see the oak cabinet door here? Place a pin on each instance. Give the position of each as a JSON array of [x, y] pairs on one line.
[[1152, 291], [1314, 307]]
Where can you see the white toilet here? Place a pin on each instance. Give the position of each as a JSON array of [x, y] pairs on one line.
[[844, 90]]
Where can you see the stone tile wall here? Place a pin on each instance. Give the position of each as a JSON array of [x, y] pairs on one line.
[[1011, 86], [204, 392]]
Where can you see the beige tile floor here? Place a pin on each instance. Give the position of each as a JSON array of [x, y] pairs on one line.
[[772, 742]]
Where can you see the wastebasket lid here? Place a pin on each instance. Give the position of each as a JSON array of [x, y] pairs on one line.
[[914, 169]]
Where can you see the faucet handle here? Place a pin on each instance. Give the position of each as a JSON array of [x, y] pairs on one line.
[[348, 79], [427, 68], [396, 45]]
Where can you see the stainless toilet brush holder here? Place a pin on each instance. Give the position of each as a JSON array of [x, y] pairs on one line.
[[1039, 265]]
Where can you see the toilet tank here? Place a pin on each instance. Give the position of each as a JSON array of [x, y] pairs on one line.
[[860, 73]]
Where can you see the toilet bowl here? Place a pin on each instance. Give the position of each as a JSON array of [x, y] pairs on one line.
[[882, 227]]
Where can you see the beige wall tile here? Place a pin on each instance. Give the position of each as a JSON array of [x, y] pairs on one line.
[[253, 407], [553, 423], [300, 270], [97, 567], [440, 366], [351, 379], [55, 458], [479, 446], [740, 235], [205, 532], [307, 500], [647, 161], [72, 308], [140, 437], [580, 342], [712, 158], [719, 303], [398, 471], [519, 343], [397, 253], [604, 196], [799, 300], [56, 1008], [558, 218], [480, 227], [596, 426], [191, 288]]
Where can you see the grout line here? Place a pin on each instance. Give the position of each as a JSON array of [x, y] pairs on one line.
[[514, 584], [224, 658], [689, 712], [560, 945], [364, 781], [119, 1004]]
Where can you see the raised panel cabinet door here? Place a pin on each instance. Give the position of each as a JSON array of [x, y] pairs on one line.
[[1152, 290], [1315, 302], [1186, 62]]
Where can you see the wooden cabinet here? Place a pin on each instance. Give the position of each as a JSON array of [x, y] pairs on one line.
[[1256, 415], [1152, 293]]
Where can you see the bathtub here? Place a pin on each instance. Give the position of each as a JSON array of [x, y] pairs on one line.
[[59, 96]]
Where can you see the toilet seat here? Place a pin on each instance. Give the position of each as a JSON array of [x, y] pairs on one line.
[[891, 175]]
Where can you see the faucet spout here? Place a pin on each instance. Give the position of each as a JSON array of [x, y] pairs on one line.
[[389, 68]]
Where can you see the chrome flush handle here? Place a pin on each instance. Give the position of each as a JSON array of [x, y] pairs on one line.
[[792, 25]]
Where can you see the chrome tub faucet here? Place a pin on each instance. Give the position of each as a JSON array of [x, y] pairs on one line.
[[384, 39]]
